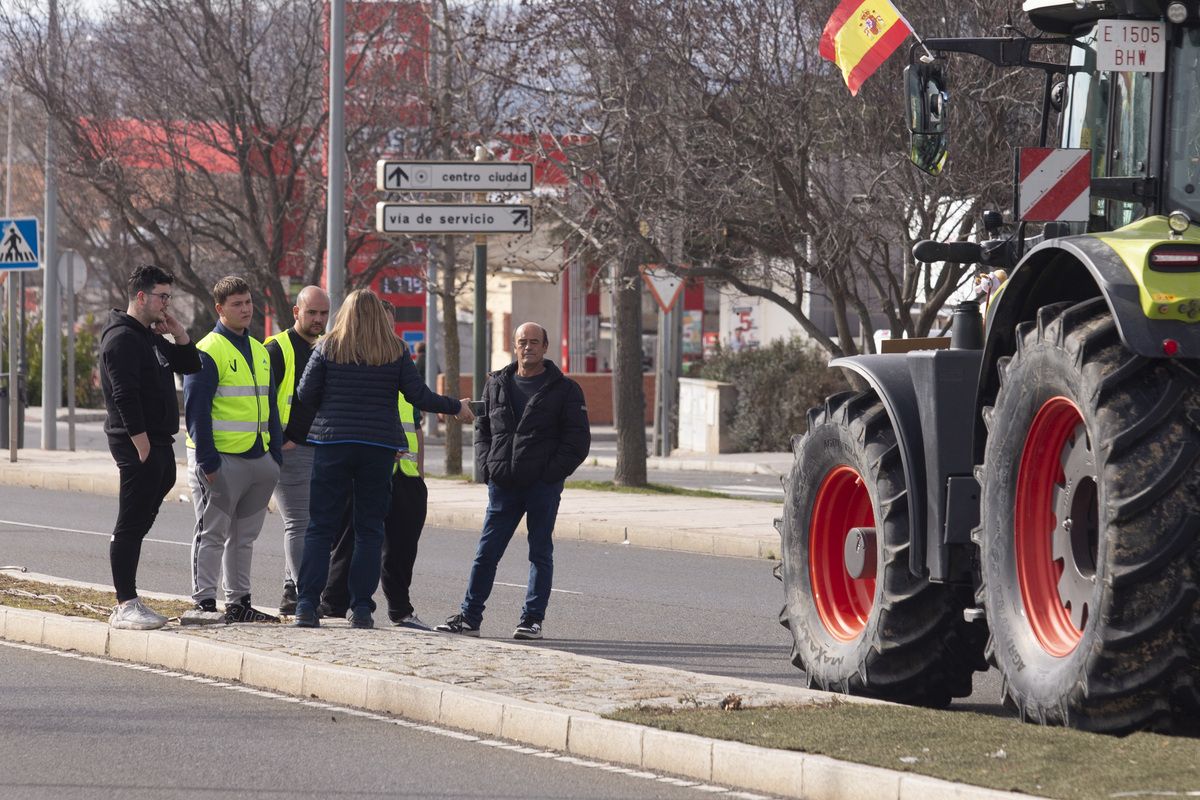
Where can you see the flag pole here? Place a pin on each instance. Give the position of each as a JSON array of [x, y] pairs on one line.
[[917, 36]]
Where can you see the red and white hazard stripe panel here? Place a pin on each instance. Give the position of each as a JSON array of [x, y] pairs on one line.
[[1053, 184]]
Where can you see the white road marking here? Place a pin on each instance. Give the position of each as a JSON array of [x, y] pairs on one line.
[[107, 535]]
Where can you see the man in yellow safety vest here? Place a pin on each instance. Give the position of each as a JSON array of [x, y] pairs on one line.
[[233, 450], [289, 352]]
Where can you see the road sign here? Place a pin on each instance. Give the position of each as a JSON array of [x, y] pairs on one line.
[[19, 243], [1053, 184], [663, 285], [79, 271], [453, 176], [474, 218]]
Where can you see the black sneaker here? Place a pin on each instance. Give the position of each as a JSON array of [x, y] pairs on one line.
[[361, 618], [326, 610], [528, 629], [457, 624], [306, 619], [242, 611], [288, 604]]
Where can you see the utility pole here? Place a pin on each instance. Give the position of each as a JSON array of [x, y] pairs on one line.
[[14, 284], [51, 296], [335, 197]]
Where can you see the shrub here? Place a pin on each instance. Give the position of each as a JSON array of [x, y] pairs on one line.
[[87, 351], [776, 385]]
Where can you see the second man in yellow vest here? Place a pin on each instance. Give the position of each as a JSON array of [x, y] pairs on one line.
[[233, 449], [289, 353]]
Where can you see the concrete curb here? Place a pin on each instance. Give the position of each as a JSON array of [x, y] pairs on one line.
[[582, 734], [694, 464]]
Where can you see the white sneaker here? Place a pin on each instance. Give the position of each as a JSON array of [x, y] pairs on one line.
[[133, 615]]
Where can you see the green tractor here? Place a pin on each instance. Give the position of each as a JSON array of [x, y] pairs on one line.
[[1029, 498]]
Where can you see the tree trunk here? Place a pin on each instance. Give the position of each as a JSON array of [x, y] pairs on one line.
[[629, 401], [453, 459]]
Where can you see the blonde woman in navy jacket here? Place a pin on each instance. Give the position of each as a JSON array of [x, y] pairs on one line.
[[352, 379]]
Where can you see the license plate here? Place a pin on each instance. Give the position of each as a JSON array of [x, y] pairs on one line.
[[1124, 45]]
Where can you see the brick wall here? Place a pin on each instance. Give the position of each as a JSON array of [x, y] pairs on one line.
[[597, 391]]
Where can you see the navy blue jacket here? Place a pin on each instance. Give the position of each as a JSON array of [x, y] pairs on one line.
[[357, 402], [548, 442]]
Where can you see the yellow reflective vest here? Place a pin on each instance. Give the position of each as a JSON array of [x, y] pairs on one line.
[[287, 385], [408, 422], [241, 408]]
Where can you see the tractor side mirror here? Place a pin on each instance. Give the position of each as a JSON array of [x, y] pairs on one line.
[[928, 105]]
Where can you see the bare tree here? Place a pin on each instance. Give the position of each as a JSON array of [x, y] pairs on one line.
[[197, 123], [783, 186]]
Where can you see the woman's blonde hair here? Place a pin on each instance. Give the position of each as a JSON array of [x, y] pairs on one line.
[[362, 333]]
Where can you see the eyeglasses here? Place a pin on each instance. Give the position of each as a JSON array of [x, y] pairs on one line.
[[165, 297]]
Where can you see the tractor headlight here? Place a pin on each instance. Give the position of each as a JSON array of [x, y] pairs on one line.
[[1178, 222], [1177, 12]]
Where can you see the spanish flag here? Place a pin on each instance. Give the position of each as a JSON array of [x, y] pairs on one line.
[[860, 35]]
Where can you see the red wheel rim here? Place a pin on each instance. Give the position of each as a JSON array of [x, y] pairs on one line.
[[844, 603], [1039, 505]]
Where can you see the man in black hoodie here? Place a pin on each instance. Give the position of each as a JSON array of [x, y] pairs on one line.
[[137, 366]]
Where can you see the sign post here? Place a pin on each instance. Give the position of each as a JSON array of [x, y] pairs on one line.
[[72, 275], [479, 218], [18, 252], [665, 287]]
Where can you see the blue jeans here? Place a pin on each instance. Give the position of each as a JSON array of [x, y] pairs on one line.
[[539, 505], [344, 472]]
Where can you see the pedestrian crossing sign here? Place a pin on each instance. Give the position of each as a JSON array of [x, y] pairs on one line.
[[19, 243]]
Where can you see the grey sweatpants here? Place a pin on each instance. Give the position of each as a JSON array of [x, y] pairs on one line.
[[229, 515], [291, 497]]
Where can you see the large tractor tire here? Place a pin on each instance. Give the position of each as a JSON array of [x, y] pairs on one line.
[[1088, 533], [885, 633]]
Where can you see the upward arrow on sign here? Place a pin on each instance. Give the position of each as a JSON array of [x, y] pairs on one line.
[[663, 285]]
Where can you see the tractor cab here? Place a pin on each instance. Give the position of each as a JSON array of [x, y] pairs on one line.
[[1126, 89]]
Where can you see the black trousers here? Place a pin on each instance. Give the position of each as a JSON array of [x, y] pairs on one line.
[[143, 487], [402, 530]]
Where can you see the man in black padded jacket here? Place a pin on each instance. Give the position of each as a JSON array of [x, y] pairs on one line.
[[533, 433]]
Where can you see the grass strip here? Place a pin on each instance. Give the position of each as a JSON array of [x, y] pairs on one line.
[[963, 747], [71, 601]]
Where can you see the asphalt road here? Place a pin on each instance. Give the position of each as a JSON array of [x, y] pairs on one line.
[[700, 613], [95, 729], [708, 614]]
